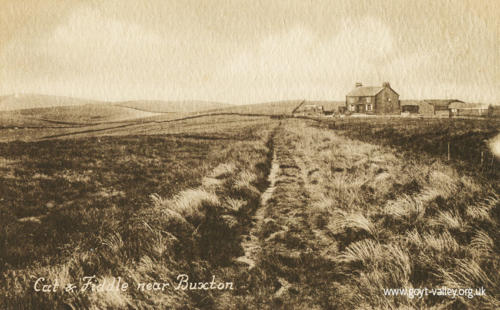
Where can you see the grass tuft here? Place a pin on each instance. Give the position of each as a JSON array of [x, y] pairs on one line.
[[366, 251], [482, 244]]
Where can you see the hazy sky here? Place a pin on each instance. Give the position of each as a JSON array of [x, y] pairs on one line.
[[249, 51]]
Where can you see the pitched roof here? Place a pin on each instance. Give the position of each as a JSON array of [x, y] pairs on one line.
[[365, 91], [464, 105], [441, 103], [412, 102]]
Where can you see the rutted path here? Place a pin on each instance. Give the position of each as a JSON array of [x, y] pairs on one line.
[[282, 267], [251, 243]]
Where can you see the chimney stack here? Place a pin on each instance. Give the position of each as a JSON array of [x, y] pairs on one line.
[[358, 84], [386, 84]]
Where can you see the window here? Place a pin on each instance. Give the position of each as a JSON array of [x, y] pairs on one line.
[[353, 107], [351, 99], [368, 99], [369, 107]]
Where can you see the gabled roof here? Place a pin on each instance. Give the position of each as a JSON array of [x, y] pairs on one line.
[[363, 91], [441, 103], [412, 102], [463, 105]]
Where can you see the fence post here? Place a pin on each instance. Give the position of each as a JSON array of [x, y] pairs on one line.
[[448, 151]]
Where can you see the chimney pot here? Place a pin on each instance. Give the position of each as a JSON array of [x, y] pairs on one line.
[[358, 84], [386, 84]]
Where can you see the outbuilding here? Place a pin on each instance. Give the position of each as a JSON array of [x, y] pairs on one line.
[[440, 107], [468, 109]]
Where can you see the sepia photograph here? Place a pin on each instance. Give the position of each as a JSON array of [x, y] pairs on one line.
[[249, 154]]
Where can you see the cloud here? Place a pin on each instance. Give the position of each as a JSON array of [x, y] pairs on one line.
[[96, 55], [115, 54], [301, 64], [110, 50]]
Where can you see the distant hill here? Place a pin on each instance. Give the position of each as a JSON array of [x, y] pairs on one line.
[[173, 106], [71, 115], [33, 101], [41, 110]]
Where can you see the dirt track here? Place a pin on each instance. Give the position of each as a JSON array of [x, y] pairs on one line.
[[282, 264]]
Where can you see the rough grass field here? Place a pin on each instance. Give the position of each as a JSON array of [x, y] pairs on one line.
[[298, 214], [467, 140], [143, 207], [348, 219]]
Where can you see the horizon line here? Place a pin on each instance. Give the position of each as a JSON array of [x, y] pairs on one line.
[[97, 101]]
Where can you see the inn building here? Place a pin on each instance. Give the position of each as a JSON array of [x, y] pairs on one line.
[[373, 100]]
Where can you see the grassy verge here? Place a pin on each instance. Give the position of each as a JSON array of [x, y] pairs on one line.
[[401, 222]]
